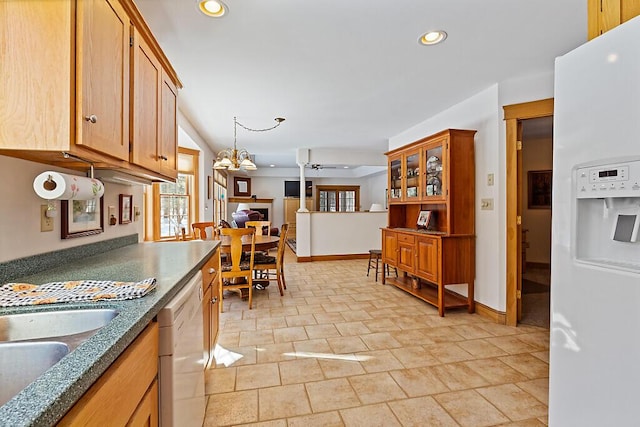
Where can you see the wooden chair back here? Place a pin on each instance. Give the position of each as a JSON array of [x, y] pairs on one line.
[[278, 264], [233, 267], [259, 226], [200, 230]]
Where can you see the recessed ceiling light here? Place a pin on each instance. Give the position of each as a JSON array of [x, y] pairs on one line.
[[346, 167], [432, 37], [272, 166], [213, 8]]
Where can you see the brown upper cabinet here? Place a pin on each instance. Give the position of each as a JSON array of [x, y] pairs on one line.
[[70, 84], [604, 15]]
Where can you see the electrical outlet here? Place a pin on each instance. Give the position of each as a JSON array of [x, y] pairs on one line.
[[490, 179], [486, 204], [46, 223]]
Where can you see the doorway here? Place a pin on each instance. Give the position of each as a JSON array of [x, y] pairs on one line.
[[517, 198]]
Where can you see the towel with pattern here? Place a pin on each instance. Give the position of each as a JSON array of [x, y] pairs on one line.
[[18, 294]]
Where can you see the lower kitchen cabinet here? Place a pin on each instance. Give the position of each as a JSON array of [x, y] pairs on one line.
[[127, 393], [210, 306]]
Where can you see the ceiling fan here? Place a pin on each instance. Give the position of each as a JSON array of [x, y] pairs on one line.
[[317, 166]]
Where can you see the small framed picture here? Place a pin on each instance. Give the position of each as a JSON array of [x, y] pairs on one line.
[[126, 208], [81, 217], [539, 186], [423, 219]]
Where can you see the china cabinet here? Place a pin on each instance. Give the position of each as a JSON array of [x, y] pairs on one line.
[[433, 178]]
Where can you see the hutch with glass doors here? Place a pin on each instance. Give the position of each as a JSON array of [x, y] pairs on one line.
[[430, 236]]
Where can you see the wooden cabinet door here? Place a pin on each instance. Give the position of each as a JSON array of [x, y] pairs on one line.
[[395, 179], [102, 77], [168, 150], [389, 247], [411, 170], [145, 105], [206, 324], [406, 253], [146, 415], [427, 262]]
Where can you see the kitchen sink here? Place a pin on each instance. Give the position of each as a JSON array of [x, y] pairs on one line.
[[54, 324], [22, 362]]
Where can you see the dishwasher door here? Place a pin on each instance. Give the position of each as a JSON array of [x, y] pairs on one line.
[[181, 377]]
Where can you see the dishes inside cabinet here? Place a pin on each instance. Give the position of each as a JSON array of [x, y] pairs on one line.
[[434, 165], [434, 186]]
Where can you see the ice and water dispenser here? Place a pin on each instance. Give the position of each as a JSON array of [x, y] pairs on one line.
[[607, 215]]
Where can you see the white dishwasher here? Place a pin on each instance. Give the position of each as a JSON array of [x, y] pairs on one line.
[[181, 376]]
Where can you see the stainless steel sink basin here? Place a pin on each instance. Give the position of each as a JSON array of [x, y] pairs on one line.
[[22, 362], [49, 324]]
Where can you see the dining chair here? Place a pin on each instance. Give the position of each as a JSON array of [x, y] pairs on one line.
[[260, 227], [200, 230], [272, 268], [236, 272]]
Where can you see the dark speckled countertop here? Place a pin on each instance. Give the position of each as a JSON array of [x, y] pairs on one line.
[[48, 398]]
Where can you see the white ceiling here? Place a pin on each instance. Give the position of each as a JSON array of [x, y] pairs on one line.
[[348, 74]]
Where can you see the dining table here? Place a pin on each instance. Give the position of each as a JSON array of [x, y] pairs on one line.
[[263, 243]]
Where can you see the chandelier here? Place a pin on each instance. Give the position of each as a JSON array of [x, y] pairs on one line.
[[233, 159]]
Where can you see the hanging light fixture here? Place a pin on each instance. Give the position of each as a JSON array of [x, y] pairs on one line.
[[233, 159]]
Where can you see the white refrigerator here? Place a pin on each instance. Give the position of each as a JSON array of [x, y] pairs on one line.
[[595, 268]]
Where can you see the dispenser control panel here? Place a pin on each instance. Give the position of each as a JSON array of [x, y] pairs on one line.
[[611, 180]]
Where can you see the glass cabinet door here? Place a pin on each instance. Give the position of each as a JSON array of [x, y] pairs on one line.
[[395, 179], [412, 175], [434, 180]]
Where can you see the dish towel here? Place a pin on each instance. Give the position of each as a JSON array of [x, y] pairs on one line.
[[18, 294]]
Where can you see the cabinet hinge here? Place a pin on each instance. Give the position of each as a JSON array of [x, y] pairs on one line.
[[519, 220], [518, 145], [131, 41], [519, 294]]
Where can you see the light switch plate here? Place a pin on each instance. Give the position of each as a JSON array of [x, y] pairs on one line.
[[490, 179], [486, 204]]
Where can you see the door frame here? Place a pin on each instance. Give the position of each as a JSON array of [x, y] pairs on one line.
[[513, 114]]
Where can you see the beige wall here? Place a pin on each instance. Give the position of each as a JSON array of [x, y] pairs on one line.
[[537, 154], [20, 234]]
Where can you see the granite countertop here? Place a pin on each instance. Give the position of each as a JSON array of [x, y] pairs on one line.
[[48, 398]]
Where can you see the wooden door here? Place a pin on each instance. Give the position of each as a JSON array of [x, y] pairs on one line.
[[168, 127], [145, 135], [427, 265], [519, 221], [406, 253], [102, 77]]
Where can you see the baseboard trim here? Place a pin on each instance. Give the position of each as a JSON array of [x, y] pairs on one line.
[[332, 257], [499, 317]]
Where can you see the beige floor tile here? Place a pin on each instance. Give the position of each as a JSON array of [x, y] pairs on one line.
[[481, 348], [328, 318], [284, 401], [529, 365], [421, 412], [442, 334], [419, 382], [537, 388], [263, 323], [470, 409], [235, 408], [380, 341], [295, 333], [369, 416], [525, 423], [355, 314], [325, 419], [412, 337], [229, 339], [514, 402], [498, 330], [257, 376], [352, 328], [495, 371], [347, 345], [300, 371], [275, 352], [537, 339], [334, 307], [337, 368], [301, 320], [512, 344], [542, 355], [220, 380], [380, 360], [256, 338], [415, 357], [376, 388], [448, 352], [332, 394], [312, 346], [381, 325], [458, 376], [321, 331], [245, 355], [240, 325], [471, 332], [310, 309]]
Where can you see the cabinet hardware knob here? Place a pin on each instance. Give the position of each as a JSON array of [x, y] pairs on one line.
[[92, 118], [163, 157], [214, 300], [212, 270]]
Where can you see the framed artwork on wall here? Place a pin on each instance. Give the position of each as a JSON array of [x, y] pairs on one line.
[[126, 208], [81, 217], [241, 186], [539, 186]]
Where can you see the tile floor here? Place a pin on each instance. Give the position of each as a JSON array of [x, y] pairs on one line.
[[340, 349]]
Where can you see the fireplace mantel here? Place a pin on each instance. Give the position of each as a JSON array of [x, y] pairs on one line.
[[248, 200]]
